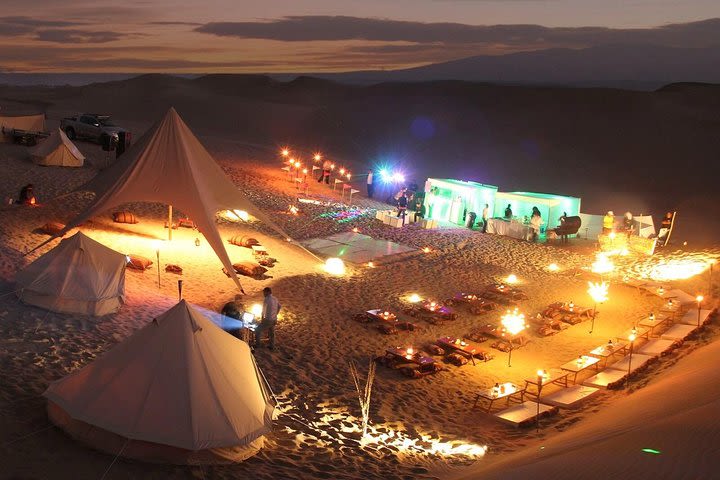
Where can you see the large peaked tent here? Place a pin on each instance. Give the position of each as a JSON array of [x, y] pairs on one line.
[[179, 390], [80, 275], [57, 150], [169, 165]]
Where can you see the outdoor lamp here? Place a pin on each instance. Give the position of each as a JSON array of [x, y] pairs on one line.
[[699, 300]]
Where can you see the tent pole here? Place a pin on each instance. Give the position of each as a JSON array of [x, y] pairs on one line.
[[169, 222]]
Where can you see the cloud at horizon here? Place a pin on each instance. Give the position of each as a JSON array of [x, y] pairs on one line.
[[144, 36]]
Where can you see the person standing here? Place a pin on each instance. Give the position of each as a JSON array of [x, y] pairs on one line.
[[536, 222], [325, 175], [270, 310], [402, 204], [628, 223], [485, 216], [508, 213], [370, 185], [608, 222]]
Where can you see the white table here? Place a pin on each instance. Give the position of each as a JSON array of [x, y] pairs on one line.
[[510, 229]]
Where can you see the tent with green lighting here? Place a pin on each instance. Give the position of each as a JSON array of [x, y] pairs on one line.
[[449, 200], [551, 206]]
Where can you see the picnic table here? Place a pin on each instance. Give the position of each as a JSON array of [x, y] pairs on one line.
[[477, 303], [576, 366], [554, 375], [432, 311], [382, 316], [607, 350], [654, 322], [499, 332], [641, 332], [507, 390], [500, 290], [464, 347], [572, 309], [410, 362]]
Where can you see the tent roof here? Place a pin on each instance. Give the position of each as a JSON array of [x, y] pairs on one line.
[[57, 139], [178, 381], [452, 183], [169, 165]]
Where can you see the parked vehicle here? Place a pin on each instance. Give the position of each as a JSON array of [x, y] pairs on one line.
[[90, 126]]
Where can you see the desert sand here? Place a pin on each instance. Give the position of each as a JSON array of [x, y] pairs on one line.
[[316, 433]]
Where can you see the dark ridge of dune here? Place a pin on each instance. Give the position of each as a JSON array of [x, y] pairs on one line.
[[235, 84], [689, 86]]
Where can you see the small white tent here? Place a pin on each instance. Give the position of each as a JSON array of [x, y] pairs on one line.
[[179, 390], [57, 150], [80, 275]]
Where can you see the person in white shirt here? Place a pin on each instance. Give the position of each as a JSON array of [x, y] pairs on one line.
[[485, 215], [370, 185], [270, 310]]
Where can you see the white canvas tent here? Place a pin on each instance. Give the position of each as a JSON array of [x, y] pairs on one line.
[[80, 275], [169, 165], [57, 150], [179, 390]]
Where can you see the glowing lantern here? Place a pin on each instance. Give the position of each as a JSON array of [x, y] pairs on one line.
[[355, 230], [285, 152], [293, 209], [512, 278], [332, 166], [342, 171], [409, 352], [317, 157], [414, 298], [553, 267], [256, 310], [348, 176], [334, 266], [426, 249], [371, 264]]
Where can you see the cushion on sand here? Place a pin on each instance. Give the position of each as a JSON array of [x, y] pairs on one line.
[[52, 228], [138, 262], [124, 217], [244, 241], [249, 269]]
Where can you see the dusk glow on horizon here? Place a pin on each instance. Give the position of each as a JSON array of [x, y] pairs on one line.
[[322, 36]]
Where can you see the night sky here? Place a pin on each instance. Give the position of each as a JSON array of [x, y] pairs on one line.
[[326, 35]]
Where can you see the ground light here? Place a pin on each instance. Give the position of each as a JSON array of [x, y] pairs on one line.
[[414, 298], [426, 250], [631, 338], [512, 278], [334, 266], [553, 267]]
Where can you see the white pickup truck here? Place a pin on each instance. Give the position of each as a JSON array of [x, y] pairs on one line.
[[90, 126]]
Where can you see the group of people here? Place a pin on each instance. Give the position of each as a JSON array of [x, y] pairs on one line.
[[409, 200], [268, 318], [626, 227]]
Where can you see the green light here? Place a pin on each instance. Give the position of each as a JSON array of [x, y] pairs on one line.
[[651, 450]]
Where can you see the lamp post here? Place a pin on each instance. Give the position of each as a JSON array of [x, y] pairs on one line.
[[712, 262], [540, 377], [699, 300], [157, 255], [631, 337], [598, 292]]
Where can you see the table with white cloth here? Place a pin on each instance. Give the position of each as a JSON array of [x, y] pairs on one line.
[[512, 229]]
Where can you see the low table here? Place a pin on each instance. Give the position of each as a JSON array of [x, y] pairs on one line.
[[506, 390], [554, 375], [464, 347], [608, 350], [383, 316], [654, 322], [641, 332], [259, 250], [576, 366], [401, 354]]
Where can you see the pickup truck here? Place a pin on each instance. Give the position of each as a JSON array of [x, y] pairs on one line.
[[90, 126]]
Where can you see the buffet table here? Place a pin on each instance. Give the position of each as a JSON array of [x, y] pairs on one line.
[[512, 229]]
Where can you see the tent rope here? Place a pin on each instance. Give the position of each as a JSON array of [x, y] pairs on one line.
[[127, 440], [27, 435]]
